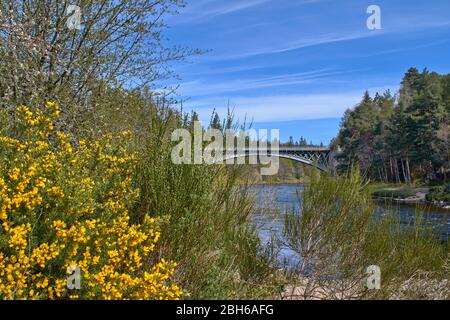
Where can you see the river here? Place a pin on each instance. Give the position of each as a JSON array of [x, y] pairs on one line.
[[274, 200]]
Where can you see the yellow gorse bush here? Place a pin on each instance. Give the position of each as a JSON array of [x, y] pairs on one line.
[[65, 204]]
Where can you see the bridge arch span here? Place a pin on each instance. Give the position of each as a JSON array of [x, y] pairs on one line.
[[315, 164]]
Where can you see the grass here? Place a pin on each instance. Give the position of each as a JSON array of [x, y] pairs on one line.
[[206, 220]]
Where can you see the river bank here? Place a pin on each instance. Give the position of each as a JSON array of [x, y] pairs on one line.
[[406, 194], [401, 194]]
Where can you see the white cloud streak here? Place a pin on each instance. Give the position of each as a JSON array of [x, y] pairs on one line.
[[209, 9], [327, 38], [272, 108], [206, 88]]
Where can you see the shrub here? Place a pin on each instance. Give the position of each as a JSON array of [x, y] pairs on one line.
[[329, 234], [440, 193], [66, 203], [206, 212], [338, 234]]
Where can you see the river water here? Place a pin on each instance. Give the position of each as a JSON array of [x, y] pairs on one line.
[[273, 201]]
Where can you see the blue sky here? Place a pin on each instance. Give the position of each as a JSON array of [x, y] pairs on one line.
[[297, 65]]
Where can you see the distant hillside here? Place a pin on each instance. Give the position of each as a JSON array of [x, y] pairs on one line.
[[290, 171]]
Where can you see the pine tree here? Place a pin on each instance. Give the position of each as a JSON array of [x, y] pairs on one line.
[[400, 139]]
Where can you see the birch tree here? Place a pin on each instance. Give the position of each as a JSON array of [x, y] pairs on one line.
[[61, 50]]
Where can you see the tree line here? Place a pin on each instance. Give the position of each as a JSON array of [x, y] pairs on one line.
[[302, 142], [401, 137]]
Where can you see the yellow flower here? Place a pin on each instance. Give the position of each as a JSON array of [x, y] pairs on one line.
[[81, 215]]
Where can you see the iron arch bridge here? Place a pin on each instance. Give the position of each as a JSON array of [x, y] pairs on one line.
[[318, 157]]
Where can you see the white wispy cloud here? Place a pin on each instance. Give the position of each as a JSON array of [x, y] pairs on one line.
[[270, 108], [206, 10], [324, 38], [212, 70], [404, 49], [297, 44], [208, 88]]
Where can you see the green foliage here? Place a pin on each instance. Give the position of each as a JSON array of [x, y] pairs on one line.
[[339, 236], [66, 204], [440, 193], [4, 122], [206, 213], [204, 209], [402, 250], [335, 211], [398, 140]]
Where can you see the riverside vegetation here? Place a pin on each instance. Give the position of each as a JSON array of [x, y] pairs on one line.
[[88, 180], [115, 205], [76, 190], [338, 237], [402, 138]]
